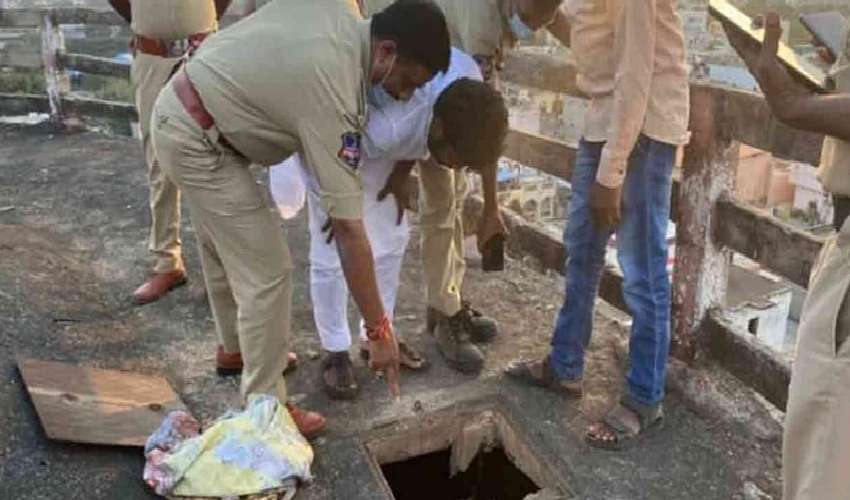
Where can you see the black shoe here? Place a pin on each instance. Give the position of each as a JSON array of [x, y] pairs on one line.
[[337, 376], [455, 346], [481, 329]]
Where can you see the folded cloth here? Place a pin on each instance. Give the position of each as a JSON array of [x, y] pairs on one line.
[[254, 451]]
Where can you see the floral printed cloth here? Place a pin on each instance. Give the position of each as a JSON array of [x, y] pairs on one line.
[[244, 453]]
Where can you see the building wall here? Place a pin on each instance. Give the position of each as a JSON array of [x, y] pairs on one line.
[[753, 176], [780, 190]]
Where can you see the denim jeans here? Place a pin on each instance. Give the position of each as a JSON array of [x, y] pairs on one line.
[[642, 253]]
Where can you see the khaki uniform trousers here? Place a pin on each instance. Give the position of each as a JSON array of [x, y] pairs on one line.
[[816, 454], [148, 75], [443, 192], [246, 262]]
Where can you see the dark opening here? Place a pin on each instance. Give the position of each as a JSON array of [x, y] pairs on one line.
[[491, 476], [753, 326]]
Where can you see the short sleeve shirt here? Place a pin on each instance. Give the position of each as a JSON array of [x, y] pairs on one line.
[[172, 19], [834, 171], [292, 78]]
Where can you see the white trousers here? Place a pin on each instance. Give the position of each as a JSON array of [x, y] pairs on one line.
[[328, 288]]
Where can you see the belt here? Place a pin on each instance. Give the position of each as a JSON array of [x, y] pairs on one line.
[[192, 103], [161, 48]]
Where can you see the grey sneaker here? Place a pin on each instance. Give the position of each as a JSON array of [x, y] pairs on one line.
[[481, 329], [455, 346]]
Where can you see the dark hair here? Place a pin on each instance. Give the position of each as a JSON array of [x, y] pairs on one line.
[[474, 120], [547, 4], [418, 27]]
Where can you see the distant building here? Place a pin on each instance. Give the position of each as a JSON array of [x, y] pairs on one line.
[[762, 180], [533, 195]]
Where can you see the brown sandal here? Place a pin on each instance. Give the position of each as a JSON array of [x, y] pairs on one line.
[[408, 357], [529, 373], [615, 433], [337, 376]]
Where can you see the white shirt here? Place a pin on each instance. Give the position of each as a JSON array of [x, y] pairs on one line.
[[398, 130], [395, 131]]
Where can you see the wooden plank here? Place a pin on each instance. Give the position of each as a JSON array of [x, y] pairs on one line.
[[547, 155], [786, 251], [541, 71], [22, 104], [94, 65], [84, 106], [556, 158], [31, 17], [741, 115], [88, 405], [20, 59]]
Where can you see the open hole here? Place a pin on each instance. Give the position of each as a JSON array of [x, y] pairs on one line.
[[490, 476], [753, 326], [476, 455]]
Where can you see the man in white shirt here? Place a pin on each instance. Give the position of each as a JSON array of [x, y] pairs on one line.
[[457, 119]]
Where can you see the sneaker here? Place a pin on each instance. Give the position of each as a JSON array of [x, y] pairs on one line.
[[481, 328], [454, 344]]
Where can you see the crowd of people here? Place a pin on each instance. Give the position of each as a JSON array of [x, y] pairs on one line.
[[356, 94]]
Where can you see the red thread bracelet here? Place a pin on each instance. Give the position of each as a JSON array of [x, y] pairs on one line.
[[380, 331]]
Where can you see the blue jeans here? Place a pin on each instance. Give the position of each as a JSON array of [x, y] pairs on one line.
[[642, 252]]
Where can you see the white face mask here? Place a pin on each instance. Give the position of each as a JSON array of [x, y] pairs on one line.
[[379, 97], [520, 30]]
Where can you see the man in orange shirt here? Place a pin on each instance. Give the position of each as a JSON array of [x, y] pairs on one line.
[[631, 62]]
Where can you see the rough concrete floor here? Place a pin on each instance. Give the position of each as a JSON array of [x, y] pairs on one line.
[[73, 225]]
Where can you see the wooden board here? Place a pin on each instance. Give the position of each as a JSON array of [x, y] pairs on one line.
[[805, 71], [87, 405]]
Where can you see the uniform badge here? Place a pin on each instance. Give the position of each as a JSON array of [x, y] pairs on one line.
[[350, 150]]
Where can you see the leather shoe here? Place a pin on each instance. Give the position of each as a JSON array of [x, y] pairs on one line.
[[157, 286], [228, 364], [310, 424]]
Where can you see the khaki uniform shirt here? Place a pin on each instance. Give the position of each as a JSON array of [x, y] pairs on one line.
[[834, 170], [172, 19], [631, 62], [293, 78], [476, 26]]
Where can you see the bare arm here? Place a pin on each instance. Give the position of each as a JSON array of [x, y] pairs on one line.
[[560, 27], [358, 264], [122, 7], [789, 100], [491, 224], [825, 114], [489, 187], [355, 254]]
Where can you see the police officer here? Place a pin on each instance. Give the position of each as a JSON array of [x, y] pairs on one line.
[[816, 444], [163, 31], [293, 78], [484, 29]]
